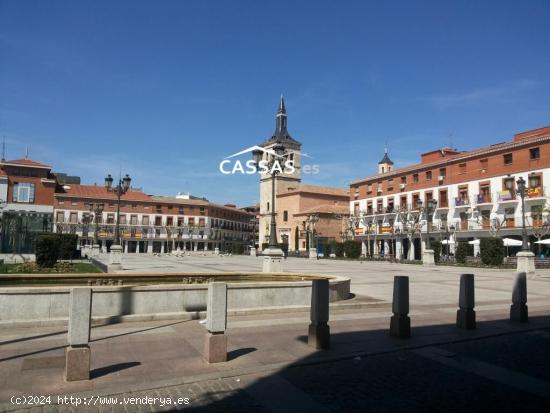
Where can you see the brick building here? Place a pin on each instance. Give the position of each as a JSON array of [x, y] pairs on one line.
[[475, 191], [27, 190]]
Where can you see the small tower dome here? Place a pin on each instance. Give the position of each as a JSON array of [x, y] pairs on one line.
[[386, 164]]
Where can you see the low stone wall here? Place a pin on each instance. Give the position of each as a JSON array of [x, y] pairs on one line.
[[50, 305]]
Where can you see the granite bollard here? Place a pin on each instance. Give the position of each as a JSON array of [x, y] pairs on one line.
[[518, 309], [77, 354], [466, 316], [319, 331], [215, 344], [400, 322]]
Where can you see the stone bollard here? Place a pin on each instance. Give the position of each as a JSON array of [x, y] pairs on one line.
[[466, 316], [115, 258], [77, 354], [518, 309], [216, 251], [400, 322], [319, 331], [215, 344], [252, 251]]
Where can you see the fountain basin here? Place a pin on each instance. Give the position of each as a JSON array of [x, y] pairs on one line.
[[44, 299]]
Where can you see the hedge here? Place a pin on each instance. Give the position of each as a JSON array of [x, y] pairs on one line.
[[67, 246], [46, 248], [352, 249], [463, 250], [436, 247], [491, 251]]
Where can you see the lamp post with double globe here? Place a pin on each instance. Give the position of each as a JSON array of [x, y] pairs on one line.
[[525, 258], [115, 260], [274, 165]]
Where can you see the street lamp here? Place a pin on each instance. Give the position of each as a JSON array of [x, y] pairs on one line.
[[257, 154], [122, 187], [311, 221], [428, 210], [521, 191]]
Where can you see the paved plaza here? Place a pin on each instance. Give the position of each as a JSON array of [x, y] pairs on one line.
[[500, 366]]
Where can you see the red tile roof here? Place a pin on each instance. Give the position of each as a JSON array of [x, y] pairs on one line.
[[315, 189], [326, 209], [99, 192], [28, 162]]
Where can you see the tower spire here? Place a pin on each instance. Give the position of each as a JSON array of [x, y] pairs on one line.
[[281, 119]]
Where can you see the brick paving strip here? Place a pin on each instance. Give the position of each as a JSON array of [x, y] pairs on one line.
[[259, 388]]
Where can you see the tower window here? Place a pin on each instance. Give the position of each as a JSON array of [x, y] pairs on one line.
[[534, 153], [268, 206], [285, 216]]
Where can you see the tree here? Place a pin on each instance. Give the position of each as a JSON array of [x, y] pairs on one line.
[[463, 250], [296, 239], [491, 250], [411, 224], [540, 224]]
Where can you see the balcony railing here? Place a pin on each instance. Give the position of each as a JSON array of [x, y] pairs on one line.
[[483, 198], [535, 192], [506, 195], [462, 201]]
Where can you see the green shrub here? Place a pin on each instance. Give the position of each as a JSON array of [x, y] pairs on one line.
[[46, 248], [67, 246], [352, 249], [436, 247], [491, 251], [463, 250], [339, 249]]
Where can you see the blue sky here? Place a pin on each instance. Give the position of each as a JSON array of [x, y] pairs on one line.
[[165, 90]]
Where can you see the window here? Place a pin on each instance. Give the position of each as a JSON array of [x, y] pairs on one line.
[[145, 220], [285, 216], [180, 211], [390, 183], [442, 173], [110, 218], [268, 206], [133, 219], [462, 168], [73, 218], [123, 219], [158, 221], [403, 179], [169, 221], [534, 153], [202, 222], [507, 159], [23, 192], [60, 217], [415, 178], [483, 165], [428, 175], [369, 188]]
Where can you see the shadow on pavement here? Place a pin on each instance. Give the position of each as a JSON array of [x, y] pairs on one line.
[[501, 366], [103, 371], [232, 355]]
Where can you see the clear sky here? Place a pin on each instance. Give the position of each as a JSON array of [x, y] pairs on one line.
[[164, 90]]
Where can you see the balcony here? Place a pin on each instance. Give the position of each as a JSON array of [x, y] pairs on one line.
[[443, 203], [535, 193], [483, 198], [462, 202], [507, 195]]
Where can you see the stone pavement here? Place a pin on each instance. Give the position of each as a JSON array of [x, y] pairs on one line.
[[498, 367]]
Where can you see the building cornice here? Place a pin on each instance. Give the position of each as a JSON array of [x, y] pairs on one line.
[[454, 159]]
